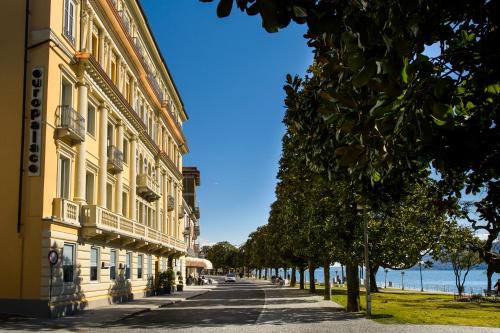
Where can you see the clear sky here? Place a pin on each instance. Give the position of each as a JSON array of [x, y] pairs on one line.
[[230, 74]]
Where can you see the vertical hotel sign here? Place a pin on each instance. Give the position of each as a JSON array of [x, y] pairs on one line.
[[35, 143]]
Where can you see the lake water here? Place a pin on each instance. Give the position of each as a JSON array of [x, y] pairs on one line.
[[433, 280]]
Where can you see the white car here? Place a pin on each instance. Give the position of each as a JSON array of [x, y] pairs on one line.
[[230, 278]]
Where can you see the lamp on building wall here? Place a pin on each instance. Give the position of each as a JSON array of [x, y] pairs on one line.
[[103, 265]]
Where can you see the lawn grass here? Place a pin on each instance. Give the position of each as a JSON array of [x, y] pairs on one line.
[[412, 307]]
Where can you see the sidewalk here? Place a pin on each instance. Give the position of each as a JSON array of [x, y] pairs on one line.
[[107, 315]]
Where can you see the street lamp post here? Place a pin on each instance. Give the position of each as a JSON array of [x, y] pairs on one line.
[[385, 270], [367, 259], [421, 281], [367, 265], [402, 280]]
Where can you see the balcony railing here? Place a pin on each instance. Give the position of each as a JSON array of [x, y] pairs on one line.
[[100, 221], [66, 210], [170, 203], [147, 187], [197, 212], [155, 86], [115, 159], [70, 124], [180, 212], [196, 230], [125, 21]]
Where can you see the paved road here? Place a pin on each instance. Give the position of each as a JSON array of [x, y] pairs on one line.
[[246, 307], [256, 307]]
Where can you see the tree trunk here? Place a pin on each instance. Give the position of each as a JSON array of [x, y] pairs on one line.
[[260, 273], [265, 273], [342, 277], [301, 277], [373, 279], [326, 273], [276, 271], [293, 280], [352, 288], [489, 274], [312, 285]]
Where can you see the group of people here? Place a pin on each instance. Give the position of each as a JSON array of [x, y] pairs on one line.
[[200, 281]]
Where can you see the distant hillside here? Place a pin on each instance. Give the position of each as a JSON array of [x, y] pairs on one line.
[[437, 265]]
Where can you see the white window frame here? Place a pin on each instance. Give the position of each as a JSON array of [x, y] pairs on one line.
[[59, 175], [69, 20]]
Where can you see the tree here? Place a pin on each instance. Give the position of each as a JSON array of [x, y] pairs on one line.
[[456, 247], [391, 108], [223, 255]]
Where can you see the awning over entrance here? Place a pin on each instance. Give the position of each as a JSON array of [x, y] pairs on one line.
[[198, 262]]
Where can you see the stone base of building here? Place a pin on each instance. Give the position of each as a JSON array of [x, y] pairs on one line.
[[40, 308]]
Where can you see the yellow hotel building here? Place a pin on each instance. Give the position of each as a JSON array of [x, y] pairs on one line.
[[94, 171]]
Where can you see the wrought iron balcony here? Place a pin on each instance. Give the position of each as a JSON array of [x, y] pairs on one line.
[[69, 124], [197, 230], [147, 187], [196, 212], [170, 203], [115, 159]]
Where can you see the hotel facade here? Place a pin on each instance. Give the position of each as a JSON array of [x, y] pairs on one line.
[[92, 147]]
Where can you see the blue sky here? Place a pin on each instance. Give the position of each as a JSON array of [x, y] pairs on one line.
[[230, 74]]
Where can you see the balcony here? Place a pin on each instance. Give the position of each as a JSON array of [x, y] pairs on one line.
[[98, 222], [170, 203], [197, 229], [125, 21], [187, 230], [69, 124], [66, 211], [115, 159], [147, 187], [180, 212], [155, 86], [196, 212]]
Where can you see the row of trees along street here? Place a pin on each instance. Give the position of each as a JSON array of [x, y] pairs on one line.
[[376, 122]]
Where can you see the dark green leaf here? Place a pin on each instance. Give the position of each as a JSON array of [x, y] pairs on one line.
[[224, 8]]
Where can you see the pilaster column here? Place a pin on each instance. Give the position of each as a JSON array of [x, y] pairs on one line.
[[103, 154], [133, 177], [119, 178], [91, 30], [119, 73], [84, 31], [81, 158], [157, 203], [165, 204], [102, 36]]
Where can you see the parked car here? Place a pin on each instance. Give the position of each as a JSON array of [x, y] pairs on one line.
[[230, 277]]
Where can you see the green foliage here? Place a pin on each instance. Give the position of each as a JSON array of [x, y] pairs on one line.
[[223, 255], [456, 247]]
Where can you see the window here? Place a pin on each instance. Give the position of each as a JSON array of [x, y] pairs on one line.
[[91, 120], [109, 196], [66, 93], [112, 264], [139, 266], [150, 267], [63, 175], [68, 263], [89, 188], [125, 204], [125, 151], [94, 259], [111, 135], [69, 19], [128, 265]]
